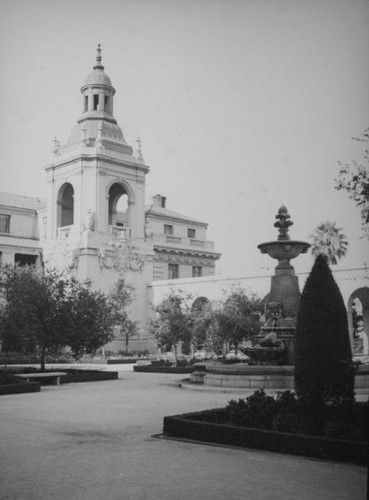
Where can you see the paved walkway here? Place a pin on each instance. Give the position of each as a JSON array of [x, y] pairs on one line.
[[94, 441]]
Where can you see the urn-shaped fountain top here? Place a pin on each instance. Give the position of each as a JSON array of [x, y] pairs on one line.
[[283, 249]]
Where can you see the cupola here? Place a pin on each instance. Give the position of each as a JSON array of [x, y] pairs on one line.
[[97, 126], [98, 93]]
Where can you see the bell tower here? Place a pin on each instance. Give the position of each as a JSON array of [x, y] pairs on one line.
[[96, 198]]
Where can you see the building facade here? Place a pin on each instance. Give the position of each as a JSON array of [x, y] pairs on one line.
[[20, 218], [95, 222], [181, 249]]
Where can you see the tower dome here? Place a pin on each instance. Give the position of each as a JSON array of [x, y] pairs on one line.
[[97, 125], [98, 76]]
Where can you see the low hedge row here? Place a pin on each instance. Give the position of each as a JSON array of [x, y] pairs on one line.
[[164, 369], [125, 361], [194, 426], [74, 376], [19, 388], [34, 361]]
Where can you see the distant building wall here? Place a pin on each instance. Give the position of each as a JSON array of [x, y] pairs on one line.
[[352, 282]]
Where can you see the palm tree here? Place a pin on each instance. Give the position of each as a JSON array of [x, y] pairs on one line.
[[327, 239]]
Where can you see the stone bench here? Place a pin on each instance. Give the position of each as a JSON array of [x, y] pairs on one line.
[[54, 376]]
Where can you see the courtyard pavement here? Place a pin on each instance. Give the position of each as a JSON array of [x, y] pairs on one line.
[[92, 441]]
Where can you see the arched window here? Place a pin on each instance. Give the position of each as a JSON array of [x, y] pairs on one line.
[[118, 209], [65, 212]]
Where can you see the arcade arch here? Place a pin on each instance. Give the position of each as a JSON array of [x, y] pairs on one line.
[[358, 319], [119, 209], [199, 303], [65, 206]]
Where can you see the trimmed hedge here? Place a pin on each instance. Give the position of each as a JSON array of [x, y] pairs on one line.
[[208, 426], [164, 369], [74, 376], [20, 388], [126, 361]]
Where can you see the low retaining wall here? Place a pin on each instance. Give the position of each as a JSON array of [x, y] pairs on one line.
[[194, 426], [265, 377], [362, 378], [88, 376], [22, 387], [249, 376], [163, 369], [126, 361]]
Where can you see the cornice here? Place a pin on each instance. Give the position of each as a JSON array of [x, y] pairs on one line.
[[97, 157], [9, 210], [187, 222], [179, 251]]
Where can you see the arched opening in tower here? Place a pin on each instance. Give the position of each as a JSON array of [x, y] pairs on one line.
[[118, 208], [65, 209]]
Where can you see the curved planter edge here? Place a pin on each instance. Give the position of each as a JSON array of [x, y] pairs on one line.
[[192, 426]]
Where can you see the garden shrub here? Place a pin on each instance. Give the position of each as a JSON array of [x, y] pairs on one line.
[[265, 412], [324, 372], [256, 411], [286, 413], [8, 378], [211, 426]]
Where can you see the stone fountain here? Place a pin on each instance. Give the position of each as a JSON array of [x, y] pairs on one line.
[[275, 343], [272, 352]]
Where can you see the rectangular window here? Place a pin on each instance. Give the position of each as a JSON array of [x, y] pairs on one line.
[[4, 223], [191, 233], [168, 229], [86, 102], [196, 271], [96, 101], [21, 259], [173, 271], [106, 103]]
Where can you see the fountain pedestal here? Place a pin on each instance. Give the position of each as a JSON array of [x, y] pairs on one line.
[[273, 350], [283, 299]]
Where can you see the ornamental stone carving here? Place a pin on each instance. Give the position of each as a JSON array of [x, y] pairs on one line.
[[148, 229], [89, 220], [120, 257]]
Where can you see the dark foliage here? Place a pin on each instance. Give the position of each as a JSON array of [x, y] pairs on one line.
[[286, 413], [41, 312], [163, 369], [211, 426], [7, 378], [324, 372]]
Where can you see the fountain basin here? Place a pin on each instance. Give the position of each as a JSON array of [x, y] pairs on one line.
[[284, 250], [241, 375]]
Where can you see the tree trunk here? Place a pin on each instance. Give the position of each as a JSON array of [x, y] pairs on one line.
[[175, 355], [235, 343], [43, 356], [127, 340]]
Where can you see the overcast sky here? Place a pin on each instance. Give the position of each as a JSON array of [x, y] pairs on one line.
[[240, 105]]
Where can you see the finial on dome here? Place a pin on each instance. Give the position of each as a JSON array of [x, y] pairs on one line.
[[98, 64]]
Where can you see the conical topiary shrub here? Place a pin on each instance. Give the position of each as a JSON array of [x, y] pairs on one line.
[[324, 373]]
